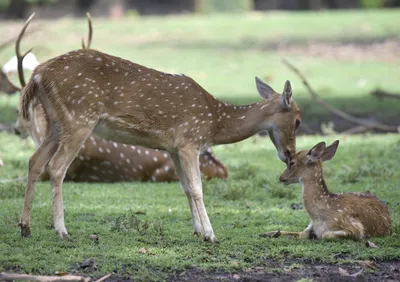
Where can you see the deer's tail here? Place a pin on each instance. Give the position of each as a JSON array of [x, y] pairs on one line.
[[28, 94]]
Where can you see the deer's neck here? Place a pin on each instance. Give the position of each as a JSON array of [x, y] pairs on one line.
[[315, 192], [236, 123]]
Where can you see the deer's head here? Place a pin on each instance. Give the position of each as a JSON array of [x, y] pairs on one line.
[[282, 123], [308, 162], [22, 126], [6, 85]]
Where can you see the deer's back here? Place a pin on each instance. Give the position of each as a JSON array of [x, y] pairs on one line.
[[95, 86]]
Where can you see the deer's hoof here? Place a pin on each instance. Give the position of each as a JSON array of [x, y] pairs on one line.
[[198, 234], [211, 239], [63, 235], [25, 230]]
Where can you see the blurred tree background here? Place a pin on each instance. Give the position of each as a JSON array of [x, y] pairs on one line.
[[17, 9]]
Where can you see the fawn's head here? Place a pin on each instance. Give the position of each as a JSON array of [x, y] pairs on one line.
[[283, 122], [306, 162]]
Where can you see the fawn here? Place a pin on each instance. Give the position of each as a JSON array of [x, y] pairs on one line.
[[352, 215], [87, 91]]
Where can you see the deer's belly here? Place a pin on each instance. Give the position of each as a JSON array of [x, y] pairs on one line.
[[131, 134]]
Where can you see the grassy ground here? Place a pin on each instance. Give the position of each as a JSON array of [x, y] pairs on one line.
[[223, 53], [248, 204]]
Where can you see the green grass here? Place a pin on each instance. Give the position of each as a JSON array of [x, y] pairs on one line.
[[249, 203], [223, 53]]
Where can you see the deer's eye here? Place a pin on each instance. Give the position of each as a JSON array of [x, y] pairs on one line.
[[297, 124], [291, 164]]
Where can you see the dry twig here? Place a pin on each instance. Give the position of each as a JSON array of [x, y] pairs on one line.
[[28, 277], [104, 277], [337, 112]]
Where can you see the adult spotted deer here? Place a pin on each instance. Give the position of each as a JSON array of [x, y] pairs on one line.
[[352, 215], [100, 160], [87, 91]]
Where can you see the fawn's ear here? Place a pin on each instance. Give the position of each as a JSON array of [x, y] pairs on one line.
[[287, 94], [316, 152], [264, 89], [330, 151]]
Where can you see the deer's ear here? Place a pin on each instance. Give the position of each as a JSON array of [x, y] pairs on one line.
[[264, 89], [330, 151], [316, 152], [287, 94]]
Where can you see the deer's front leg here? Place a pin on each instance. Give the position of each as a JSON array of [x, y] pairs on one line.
[[189, 163], [198, 229]]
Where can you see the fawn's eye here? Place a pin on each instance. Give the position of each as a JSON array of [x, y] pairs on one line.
[[297, 124], [291, 164]]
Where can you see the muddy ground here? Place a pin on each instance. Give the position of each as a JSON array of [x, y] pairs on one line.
[[295, 270]]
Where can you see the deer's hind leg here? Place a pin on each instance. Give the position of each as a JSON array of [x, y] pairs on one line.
[[68, 149], [36, 164]]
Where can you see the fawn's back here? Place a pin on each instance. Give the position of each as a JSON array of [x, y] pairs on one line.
[[361, 213]]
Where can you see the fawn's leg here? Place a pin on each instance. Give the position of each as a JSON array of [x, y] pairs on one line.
[[335, 234], [198, 229], [280, 233], [189, 163], [36, 164], [68, 149], [306, 233]]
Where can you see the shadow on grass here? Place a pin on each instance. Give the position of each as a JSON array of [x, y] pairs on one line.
[[252, 43]]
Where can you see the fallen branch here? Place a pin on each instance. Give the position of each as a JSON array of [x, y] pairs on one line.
[[104, 277], [337, 112], [28, 277], [384, 94]]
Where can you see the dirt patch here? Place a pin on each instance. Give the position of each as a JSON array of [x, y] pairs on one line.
[[295, 270]]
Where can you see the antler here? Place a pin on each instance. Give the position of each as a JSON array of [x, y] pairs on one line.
[[20, 57], [90, 33]]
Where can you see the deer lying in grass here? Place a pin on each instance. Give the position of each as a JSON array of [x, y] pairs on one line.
[[351, 215], [100, 160], [86, 91]]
